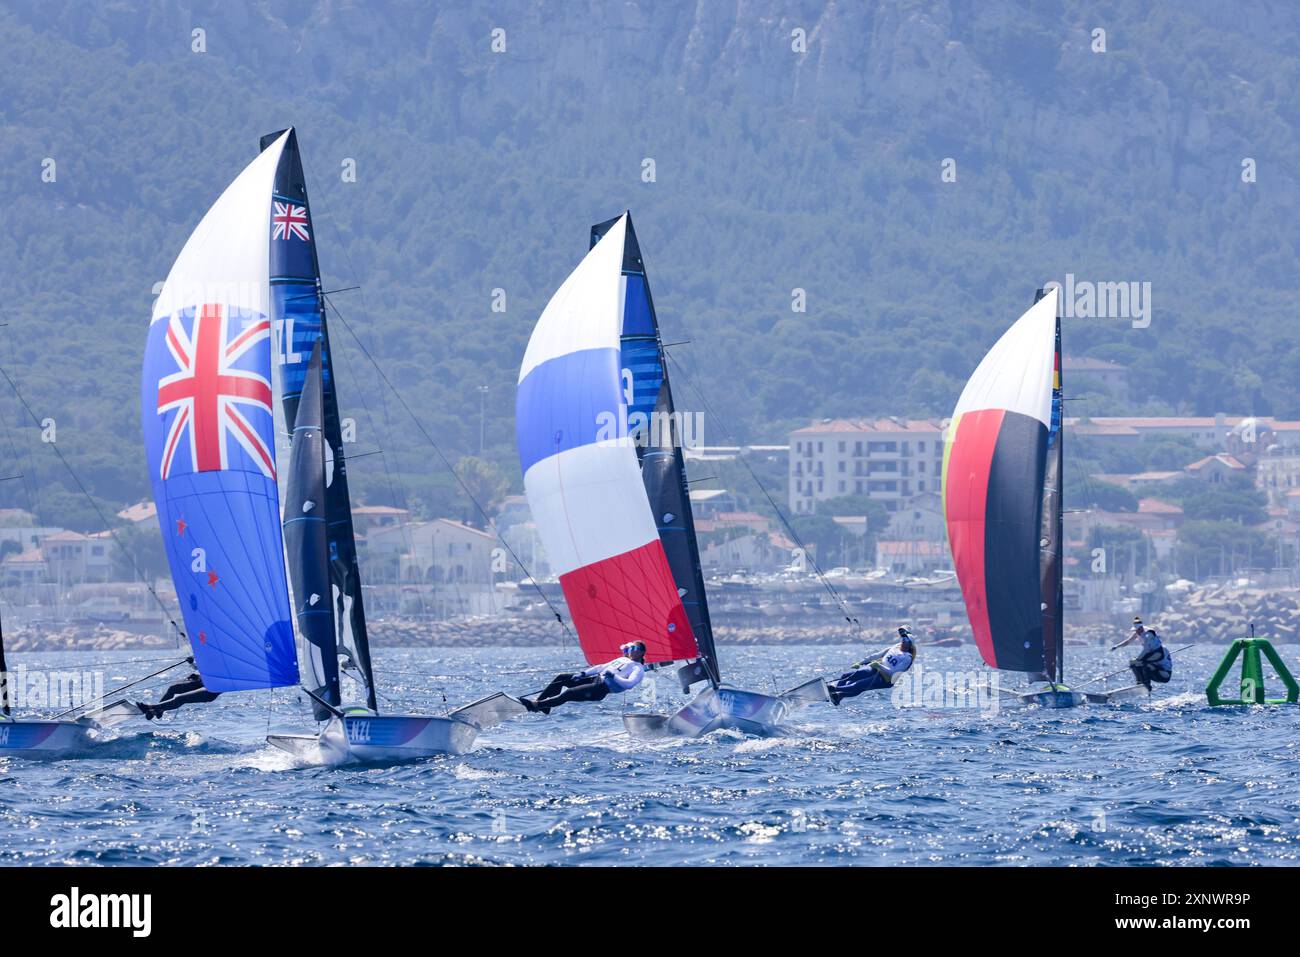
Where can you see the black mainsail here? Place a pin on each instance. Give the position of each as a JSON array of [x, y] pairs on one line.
[[300, 302], [306, 544], [653, 419]]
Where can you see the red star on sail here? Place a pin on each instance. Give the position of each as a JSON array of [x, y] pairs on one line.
[[181, 526], [213, 579]]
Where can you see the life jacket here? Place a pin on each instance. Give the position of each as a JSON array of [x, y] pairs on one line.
[[621, 674], [892, 663], [1155, 661]]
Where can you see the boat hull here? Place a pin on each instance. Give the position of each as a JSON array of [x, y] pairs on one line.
[[32, 738], [1118, 696], [1060, 698], [389, 737], [715, 709]]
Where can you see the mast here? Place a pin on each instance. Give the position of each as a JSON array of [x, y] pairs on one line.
[[660, 449], [1060, 506], [4, 676], [1052, 567], [298, 297]]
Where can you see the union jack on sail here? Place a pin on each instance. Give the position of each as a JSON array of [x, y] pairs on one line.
[[289, 222], [216, 395]]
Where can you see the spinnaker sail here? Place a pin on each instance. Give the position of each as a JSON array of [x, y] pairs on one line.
[[206, 410], [582, 470], [994, 476], [659, 431], [299, 303]]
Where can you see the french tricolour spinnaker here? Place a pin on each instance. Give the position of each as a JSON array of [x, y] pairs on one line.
[[606, 483]]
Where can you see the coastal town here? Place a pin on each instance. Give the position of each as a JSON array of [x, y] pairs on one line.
[[1193, 518]]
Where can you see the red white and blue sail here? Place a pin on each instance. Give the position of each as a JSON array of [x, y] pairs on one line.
[[581, 469], [207, 409], [994, 473], [653, 419]]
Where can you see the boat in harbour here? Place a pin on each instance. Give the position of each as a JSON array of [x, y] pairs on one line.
[[601, 450]]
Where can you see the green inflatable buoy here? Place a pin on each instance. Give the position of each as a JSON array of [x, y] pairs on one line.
[[1252, 673]]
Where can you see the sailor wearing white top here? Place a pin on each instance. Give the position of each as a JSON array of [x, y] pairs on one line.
[[876, 671], [594, 683], [1155, 663]]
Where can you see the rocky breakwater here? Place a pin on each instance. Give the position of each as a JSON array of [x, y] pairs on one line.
[[1224, 612], [82, 638]]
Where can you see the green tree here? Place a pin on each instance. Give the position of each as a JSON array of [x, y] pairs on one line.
[[485, 483]]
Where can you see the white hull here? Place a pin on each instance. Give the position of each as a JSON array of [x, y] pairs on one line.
[[714, 709], [34, 738], [1055, 699], [1062, 697], [362, 737]]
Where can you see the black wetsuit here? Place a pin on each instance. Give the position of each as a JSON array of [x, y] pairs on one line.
[[1155, 665], [570, 687], [189, 691]]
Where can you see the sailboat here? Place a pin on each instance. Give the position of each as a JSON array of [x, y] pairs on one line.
[[38, 737], [600, 447], [213, 367], [1002, 494]]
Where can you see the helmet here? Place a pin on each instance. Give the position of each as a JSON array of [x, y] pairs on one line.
[[904, 632]]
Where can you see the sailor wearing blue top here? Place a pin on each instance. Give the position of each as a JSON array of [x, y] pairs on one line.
[[875, 671], [593, 684]]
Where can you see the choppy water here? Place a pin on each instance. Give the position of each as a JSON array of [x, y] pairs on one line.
[[1166, 782]]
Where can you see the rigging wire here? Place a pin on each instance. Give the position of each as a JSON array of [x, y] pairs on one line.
[[400, 501], [780, 513], [343, 246], [148, 584], [456, 475], [121, 688]]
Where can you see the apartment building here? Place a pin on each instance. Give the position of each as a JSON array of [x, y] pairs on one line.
[[888, 459]]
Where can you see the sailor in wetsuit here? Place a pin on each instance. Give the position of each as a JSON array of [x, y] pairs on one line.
[[875, 671], [189, 691], [1155, 663], [613, 677]]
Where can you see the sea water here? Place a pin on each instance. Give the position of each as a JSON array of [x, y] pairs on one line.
[[1162, 781]]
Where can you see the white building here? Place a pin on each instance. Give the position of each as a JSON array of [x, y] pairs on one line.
[[441, 551], [74, 558], [920, 520], [912, 558], [888, 459]]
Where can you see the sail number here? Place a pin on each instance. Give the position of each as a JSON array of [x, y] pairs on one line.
[[358, 732], [287, 356]]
